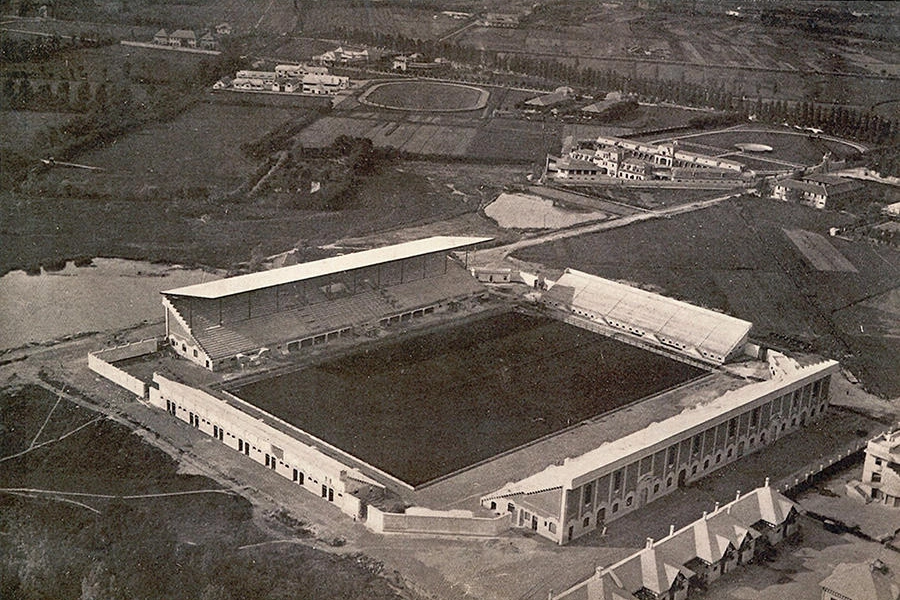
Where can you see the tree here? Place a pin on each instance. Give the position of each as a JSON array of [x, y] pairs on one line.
[[100, 97], [82, 96], [62, 94]]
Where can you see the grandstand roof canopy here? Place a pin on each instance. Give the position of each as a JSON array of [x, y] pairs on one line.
[[694, 326], [326, 266]]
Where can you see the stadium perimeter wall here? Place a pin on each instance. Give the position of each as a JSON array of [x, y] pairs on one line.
[[100, 362], [424, 521], [311, 469]]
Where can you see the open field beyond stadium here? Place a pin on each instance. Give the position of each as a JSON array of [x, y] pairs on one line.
[[428, 406], [736, 258], [797, 147]]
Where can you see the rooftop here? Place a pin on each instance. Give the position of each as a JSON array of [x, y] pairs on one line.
[[803, 186], [326, 266], [861, 581], [694, 326]]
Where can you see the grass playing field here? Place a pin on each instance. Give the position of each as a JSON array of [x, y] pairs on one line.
[[426, 406], [426, 95]]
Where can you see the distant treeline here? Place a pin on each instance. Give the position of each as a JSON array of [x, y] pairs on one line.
[[41, 48], [836, 120]]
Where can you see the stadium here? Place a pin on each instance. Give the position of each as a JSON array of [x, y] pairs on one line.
[[393, 384]]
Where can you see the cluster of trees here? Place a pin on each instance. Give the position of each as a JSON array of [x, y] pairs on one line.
[[20, 92], [14, 50], [885, 160]]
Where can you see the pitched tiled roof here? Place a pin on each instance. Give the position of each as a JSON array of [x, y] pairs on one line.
[[860, 581], [646, 569]]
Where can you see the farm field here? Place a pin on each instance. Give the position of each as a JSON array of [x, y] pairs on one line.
[[199, 151], [38, 229], [407, 136], [55, 545], [751, 58], [735, 257], [427, 406], [494, 141], [115, 63], [20, 127]]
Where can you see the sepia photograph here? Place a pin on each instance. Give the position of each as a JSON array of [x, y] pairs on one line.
[[447, 300]]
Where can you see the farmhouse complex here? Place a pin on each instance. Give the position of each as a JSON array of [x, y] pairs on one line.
[[606, 158], [475, 391]]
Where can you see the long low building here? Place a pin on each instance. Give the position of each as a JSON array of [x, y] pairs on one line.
[[568, 500], [683, 328]]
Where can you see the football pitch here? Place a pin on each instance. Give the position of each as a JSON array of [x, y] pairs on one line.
[[425, 406]]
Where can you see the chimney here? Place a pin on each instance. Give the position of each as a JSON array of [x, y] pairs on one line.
[[767, 482], [737, 496], [649, 543], [672, 529]]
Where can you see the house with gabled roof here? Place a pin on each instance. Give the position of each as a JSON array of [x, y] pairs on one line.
[[183, 38], [208, 41], [650, 574], [708, 554], [161, 38], [742, 537], [695, 555], [766, 511]]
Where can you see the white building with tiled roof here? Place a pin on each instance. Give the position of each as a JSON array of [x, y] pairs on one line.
[[881, 470], [695, 556], [581, 494]]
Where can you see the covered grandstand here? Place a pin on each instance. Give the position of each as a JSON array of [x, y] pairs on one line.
[[579, 494], [649, 319], [287, 309]]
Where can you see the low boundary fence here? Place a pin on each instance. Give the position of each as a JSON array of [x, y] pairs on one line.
[[808, 475], [101, 362], [423, 521]]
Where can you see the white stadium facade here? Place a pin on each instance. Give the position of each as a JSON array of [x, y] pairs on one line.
[[610, 465]]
